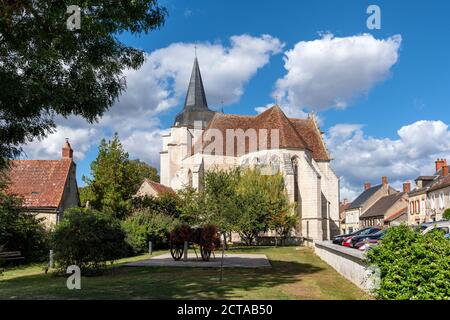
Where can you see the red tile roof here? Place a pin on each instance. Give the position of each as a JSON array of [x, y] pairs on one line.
[[396, 214], [293, 133], [159, 188], [39, 182]]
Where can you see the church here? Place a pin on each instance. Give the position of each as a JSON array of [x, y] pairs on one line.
[[201, 139]]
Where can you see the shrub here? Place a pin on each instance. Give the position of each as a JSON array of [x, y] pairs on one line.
[[166, 204], [446, 214], [147, 225], [21, 231], [88, 238], [412, 265]]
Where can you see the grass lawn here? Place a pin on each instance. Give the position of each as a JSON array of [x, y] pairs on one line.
[[296, 273]]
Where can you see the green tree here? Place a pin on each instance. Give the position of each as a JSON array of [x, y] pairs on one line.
[[144, 171], [115, 179], [148, 225], [263, 203], [47, 69], [446, 214], [412, 266], [20, 230]]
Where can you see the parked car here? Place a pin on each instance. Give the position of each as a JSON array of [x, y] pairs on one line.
[[444, 226], [358, 241], [366, 246], [342, 237], [363, 232]]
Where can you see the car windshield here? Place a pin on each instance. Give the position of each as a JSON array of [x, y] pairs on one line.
[[367, 231]]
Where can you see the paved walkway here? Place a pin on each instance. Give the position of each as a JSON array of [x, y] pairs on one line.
[[229, 261]]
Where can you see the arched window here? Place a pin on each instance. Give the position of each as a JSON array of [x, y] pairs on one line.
[[418, 206]]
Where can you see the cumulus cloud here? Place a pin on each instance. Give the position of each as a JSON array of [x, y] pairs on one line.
[[332, 71], [159, 85], [50, 148], [359, 158]]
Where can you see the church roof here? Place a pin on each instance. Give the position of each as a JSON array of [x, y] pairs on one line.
[[40, 183], [195, 105], [293, 133]]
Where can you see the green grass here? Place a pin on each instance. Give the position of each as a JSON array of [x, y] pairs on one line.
[[296, 273]]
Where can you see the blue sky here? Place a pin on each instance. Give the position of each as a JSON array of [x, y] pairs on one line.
[[411, 95]]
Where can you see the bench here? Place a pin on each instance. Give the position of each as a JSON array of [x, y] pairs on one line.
[[11, 256]]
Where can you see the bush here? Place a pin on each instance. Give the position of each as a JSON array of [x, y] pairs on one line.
[[412, 265], [147, 225], [21, 231], [167, 204], [446, 214], [88, 238]]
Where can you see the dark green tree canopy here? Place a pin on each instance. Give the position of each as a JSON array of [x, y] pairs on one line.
[[47, 69], [115, 179]]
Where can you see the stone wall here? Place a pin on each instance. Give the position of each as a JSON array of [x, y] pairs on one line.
[[348, 262]]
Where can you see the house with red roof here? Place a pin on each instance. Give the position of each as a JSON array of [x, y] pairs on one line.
[[202, 139], [153, 189], [47, 187]]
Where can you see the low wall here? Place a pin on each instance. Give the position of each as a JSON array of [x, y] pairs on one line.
[[348, 262]]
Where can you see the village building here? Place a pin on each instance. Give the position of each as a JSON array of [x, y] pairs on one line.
[[344, 205], [431, 197], [151, 188], [47, 187], [364, 201], [201, 139], [388, 210]]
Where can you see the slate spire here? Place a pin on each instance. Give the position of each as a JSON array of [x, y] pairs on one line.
[[195, 106], [195, 97]]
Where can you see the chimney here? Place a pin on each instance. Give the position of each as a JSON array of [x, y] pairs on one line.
[[384, 180], [445, 171], [407, 187], [440, 163], [367, 186], [345, 201], [67, 152]]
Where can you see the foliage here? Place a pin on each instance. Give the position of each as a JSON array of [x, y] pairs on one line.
[[283, 224], [48, 70], [412, 265], [115, 179], [21, 231], [247, 202], [88, 238], [143, 171], [262, 202], [147, 225], [166, 203], [446, 214]]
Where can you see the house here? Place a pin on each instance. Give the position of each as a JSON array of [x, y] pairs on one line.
[[201, 139], [342, 207], [387, 209], [153, 189], [364, 201], [47, 187], [431, 195]]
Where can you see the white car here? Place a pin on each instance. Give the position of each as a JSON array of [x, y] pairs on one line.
[[441, 225]]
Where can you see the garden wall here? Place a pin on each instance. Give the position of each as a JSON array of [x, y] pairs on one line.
[[347, 261]]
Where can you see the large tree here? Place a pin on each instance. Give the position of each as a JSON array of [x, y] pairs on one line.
[[114, 178], [47, 69]]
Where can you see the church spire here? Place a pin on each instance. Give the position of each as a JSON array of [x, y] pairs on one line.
[[195, 106], [195, 97]]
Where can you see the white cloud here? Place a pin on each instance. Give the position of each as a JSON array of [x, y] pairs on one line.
[[332, 71], [50, 148], [359, 158], [161, 84]]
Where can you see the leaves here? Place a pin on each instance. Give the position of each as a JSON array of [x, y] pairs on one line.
[[412, 265], [115, 179], [47, 70]]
